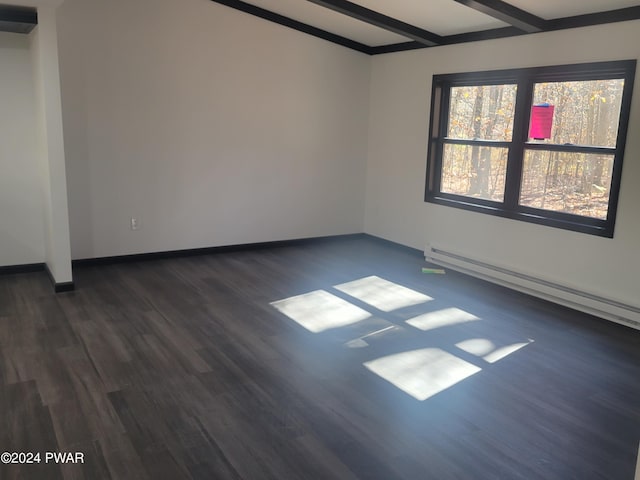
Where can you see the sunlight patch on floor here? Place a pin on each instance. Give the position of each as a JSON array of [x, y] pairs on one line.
[[422, 373], [441, 318], [319, 310], [382, 294], [356, 343], [485, 348]]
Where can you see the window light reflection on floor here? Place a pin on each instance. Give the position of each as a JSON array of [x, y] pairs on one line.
[[319, 310], [482, 347], [441, 318], [361, 342], [382, 294], [422, 373]]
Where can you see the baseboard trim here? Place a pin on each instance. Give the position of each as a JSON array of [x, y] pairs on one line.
[[27, 268], [59, 287], [64, 287], [563, 294], [192, 252]]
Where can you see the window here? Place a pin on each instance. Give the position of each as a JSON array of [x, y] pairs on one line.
[[541, 145]]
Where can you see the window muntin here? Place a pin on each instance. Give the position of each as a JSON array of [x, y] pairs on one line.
[[569, 179]]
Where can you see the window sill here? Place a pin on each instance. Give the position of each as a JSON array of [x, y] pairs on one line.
[[591, 226]]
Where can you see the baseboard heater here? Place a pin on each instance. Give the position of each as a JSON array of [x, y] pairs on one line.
[[593, 304]]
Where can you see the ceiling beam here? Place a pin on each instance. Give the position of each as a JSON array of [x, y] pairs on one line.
[[372, 17], [294, 24], [492, 34], [503, 32], [598, 18], [428, 39], [514, 16], [17, 19]]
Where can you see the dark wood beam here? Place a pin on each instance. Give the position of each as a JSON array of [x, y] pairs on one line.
[[372, 17], [492, 34], [294, 24], [17, 19], [514, 16], [598, 18], [426, 38], [396, 47], [577, 21]]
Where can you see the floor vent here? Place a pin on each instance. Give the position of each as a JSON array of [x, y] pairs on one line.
[[607, 308]]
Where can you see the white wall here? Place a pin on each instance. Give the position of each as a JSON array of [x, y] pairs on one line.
[[21, 229], [399, 121], [48, 139], [212, 126]]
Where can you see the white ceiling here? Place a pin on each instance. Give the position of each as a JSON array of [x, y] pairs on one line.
[[549, 9], [334, 22], [442, 17]]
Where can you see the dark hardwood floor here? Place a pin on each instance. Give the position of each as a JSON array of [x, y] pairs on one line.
[[265, 365]]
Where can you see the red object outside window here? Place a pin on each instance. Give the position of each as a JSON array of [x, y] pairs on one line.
[[541, 121]]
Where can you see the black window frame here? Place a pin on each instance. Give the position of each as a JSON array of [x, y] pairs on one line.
[[526, 78]]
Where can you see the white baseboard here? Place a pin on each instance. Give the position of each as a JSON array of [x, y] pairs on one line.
[[587, 302]]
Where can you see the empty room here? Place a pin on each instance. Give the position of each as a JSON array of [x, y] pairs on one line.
[[319, 239]]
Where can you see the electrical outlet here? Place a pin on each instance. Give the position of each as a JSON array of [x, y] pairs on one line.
[[135, 223]]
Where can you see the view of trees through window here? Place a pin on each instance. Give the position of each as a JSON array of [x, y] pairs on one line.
[[586, 113], [478, 113], [542, 145], [474, 170], [576, 183], [482, 112]]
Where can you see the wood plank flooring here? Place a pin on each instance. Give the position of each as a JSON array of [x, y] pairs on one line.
[[202, 368]]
